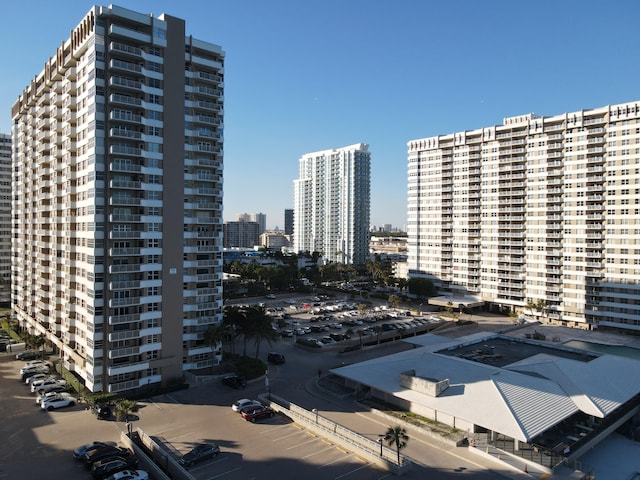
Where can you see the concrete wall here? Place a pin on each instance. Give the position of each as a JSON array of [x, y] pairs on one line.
[[364, 447]]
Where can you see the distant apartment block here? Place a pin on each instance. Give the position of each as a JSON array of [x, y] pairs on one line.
[[241, 234], [5, 218], [259, 218], [288, 221], [274, 239], [117, 184], [332, 204], [539, 210]]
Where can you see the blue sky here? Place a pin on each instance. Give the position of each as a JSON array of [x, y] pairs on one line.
[[303, 76]]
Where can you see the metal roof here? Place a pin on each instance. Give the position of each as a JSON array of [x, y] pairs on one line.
[[521, 400]]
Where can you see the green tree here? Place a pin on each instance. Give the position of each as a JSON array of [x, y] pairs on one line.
[[397, 436], [124, 408], [214, 336], [422, 287], [260, 327], [394, 300]]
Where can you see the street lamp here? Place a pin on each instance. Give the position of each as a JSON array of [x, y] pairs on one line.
[[315, 410], [380, 440], [266, 383]]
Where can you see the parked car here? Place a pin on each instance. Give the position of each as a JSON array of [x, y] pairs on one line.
[[101, 453], [48, 396], [199, 453], [251, 414], [286, 333], [79, 452], [31, 377], [39, 368], [48, 386], [28, 355], [129, 475], [244, 403], [38, 372], [234, 381], [102, 411], [60, 401], [32, 363], [111, 465], [327, 340], [275, 358]]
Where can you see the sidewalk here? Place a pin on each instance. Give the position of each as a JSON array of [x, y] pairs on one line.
[[335, 404]]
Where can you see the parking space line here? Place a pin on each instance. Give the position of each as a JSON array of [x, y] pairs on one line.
[[287, 436], [352, 471], [336, 460], [317, 452], [220, 475], [303, 443]]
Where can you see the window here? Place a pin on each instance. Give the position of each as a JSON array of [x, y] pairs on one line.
[[154, 66]]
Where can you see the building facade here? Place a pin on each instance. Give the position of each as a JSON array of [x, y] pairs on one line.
[[259, 218], [241, 234], [288, 221], [539, 211], [117, 230], [5, 218], [332, 204]]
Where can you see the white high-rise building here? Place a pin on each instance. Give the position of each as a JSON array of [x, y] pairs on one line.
[[117, 184], [5, 218], [539, 210], [332, 204]]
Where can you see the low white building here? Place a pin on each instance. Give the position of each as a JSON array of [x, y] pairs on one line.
[[557, 400]]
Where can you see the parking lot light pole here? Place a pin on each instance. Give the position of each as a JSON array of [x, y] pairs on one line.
[[380, 439], [315, 410]]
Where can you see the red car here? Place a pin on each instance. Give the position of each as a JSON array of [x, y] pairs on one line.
[[254, 413]]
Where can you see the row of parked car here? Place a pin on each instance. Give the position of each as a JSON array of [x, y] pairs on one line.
[[52, 392], [108, 461]]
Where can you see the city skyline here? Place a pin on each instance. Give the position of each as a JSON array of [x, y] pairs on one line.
[[384, 75]]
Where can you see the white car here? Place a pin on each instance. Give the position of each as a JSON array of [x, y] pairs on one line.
[[58, 402], [37, 361], [129, 475], [39, 368], [244, 403], [46, 385], [37, 377], [49, 395]]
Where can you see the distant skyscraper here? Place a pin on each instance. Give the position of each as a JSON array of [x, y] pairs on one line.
[[259, 218], [288, 221], [537, 211], [117, 181], [332, 204], [5, 218]]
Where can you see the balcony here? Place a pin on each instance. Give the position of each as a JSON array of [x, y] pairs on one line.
[[125, 49], [116, 64], [125, 83]]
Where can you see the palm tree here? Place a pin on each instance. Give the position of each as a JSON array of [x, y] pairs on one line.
[[397, 436], [124, 408], [214, 336], [260, 328]]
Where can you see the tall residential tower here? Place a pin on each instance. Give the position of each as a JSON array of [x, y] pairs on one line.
[[332, 204], [5, 218], [538, 211], [117, 183]]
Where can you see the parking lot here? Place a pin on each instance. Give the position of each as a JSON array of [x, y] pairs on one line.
[[270, 448], [275, 447], [39, 441]]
